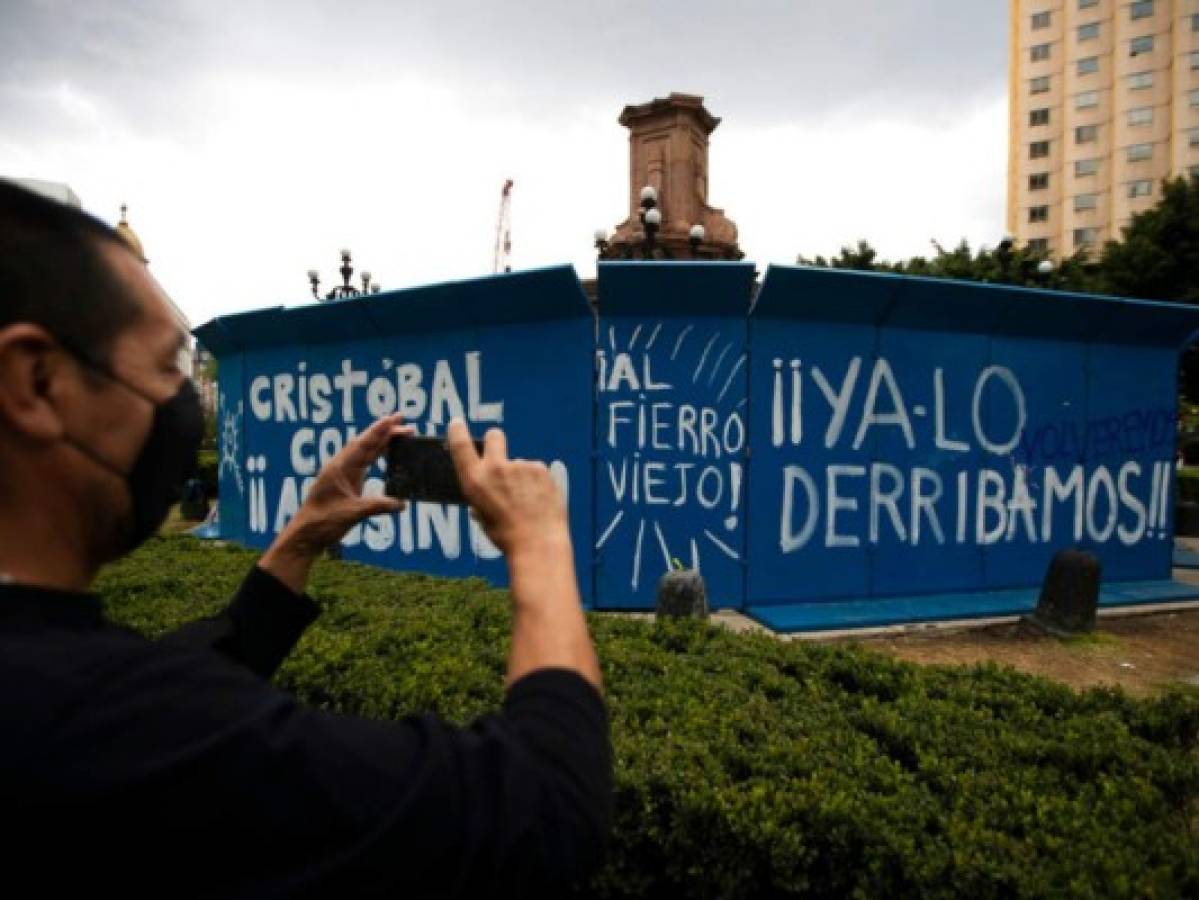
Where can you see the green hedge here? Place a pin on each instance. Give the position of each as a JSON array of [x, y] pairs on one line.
[[750, 767]]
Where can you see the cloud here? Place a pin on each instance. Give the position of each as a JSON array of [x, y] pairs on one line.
[[896, 182], [252, 140]]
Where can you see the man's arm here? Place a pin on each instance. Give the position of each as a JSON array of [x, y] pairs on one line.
[[524, 515], [230, 783], [257, 629]]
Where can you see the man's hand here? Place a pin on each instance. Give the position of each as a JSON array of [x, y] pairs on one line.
[[524, 514], [515, 500], [333, 506]]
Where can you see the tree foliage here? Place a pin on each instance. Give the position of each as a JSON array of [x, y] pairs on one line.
[[1157, 258], [1006, 263]]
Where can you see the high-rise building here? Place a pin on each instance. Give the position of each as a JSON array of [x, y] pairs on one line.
[[1104, 105]]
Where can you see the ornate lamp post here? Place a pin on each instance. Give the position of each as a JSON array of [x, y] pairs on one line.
[[651, 218], [695, 237], [346, 289]]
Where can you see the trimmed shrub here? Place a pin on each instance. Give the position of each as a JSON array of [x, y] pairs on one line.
[[751, 767]]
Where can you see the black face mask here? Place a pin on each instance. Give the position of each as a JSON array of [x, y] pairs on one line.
[[167, 459]]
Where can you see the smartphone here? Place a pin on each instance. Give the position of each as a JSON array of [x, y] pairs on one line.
[[421, 468]]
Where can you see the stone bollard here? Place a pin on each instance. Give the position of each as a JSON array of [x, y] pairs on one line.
[[1070, 595], [681, 594]]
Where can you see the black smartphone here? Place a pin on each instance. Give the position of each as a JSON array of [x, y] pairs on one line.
[[421, 468]]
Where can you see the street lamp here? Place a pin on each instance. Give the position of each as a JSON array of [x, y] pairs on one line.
[[601, 242], [1045, 270], [651, 216], [346, 289], [695, 237]]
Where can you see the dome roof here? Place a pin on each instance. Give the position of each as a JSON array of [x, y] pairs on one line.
[[129, 236]]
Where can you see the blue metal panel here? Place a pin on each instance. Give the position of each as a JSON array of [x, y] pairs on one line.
[[260, 328], [670, 429], [531, 296], [796, 436], [874, 613], [825, 295], [311, 378], [214, 338], [231, 446], [1129, 459], [674, 288], [270, 376], [1051, 375], [864, 389], [933, 546], [921, 447]]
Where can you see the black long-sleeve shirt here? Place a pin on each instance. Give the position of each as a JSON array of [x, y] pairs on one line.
[[163, 768]]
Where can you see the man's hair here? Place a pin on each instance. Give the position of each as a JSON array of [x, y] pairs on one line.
[[52, 273]]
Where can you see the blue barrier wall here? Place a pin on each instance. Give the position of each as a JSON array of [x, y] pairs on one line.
[[671, 428], [921, 436], [296, 384], [818, 450]]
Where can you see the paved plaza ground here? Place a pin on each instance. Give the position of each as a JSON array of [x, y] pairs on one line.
[[1142, 650]]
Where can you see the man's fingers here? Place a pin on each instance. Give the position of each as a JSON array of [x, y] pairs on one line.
[[370, 445], [377, 506], [495, 445], [462, 448]]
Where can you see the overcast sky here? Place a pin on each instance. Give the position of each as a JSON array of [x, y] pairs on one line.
[[253, 139]]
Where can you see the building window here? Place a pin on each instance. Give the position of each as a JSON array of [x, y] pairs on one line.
[[1040, 85], [1194, 97], [1140, 45], [1142, 115], [1086, 134], [1138, 152], [1084, 202], [1038, 181], [1040, 52], [1041, 116], [1038, 149], [1088, 65], [1141, 188], [1088, 32], [1194, 137], [1038, 214], [1141, 9], [1040, 20], [1194, 171], [1195, 22], [1085, 237], [1195, 59], [1087, 4], [1084, 167], [1038, 245], [1086, 100], [1138, 81]]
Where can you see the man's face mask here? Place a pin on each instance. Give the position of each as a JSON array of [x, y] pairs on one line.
[[166, 461]]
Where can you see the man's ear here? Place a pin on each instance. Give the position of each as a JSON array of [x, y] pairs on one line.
[[33, 376]]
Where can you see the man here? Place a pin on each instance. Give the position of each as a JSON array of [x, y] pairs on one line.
[[173, 768]]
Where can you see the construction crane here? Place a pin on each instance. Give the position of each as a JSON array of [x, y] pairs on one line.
[[502, 261]]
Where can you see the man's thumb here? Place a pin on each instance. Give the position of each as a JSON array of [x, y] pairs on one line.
[[378, 506]]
